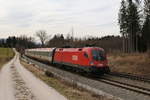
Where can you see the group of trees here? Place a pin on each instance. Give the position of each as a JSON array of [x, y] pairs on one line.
[[18, 42], [59, 40], [134, 27]]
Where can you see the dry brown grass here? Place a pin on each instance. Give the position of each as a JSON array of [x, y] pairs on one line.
[[72, 92], [136, 63]]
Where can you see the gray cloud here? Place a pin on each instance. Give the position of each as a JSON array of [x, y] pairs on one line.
[[85, 15]]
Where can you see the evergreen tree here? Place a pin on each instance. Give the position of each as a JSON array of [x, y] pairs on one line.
[[123, 24], [147, 7], [133, 28], [146, 26]]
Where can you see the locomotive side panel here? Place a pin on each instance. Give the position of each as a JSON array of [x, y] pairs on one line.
[[76, 58], [57, 56], [71, 57]]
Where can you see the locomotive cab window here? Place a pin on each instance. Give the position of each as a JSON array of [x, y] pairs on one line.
[[98, 55]]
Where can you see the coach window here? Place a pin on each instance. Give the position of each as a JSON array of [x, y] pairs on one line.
[[50, 54], [46, 53]]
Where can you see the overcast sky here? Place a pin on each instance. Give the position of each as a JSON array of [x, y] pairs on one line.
[[87, 17]]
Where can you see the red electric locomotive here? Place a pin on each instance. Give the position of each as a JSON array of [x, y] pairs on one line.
[[89, 59]]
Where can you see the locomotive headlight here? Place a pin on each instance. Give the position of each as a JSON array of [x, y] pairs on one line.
[[91, 63]]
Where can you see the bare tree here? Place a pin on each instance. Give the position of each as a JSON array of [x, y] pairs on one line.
[[42, 35]]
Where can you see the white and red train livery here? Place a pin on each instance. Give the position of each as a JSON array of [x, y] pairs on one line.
[[89, 59]]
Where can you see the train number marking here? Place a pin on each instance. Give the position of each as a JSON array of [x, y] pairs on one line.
[[75, 57]]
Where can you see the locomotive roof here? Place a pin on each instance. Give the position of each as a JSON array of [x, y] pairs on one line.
[[79, 49]]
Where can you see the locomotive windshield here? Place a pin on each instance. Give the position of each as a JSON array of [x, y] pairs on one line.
[[98, 55]]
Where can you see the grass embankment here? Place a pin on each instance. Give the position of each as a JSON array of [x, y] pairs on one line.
[[137, 64], [72, 92], [5, 55]]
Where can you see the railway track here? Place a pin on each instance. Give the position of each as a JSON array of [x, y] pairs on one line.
[[135, 88], [124, 85], [130, 76]]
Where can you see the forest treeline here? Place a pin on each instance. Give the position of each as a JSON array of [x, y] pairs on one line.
[[22, 42], [134, 21], [109, 43]]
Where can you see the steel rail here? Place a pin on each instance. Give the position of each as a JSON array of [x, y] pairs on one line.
[[127, 86], [130, 76]]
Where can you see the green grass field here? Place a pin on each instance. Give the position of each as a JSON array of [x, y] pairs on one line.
[[5, 55]]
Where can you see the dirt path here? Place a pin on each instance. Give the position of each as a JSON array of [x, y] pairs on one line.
[[17, 83]]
